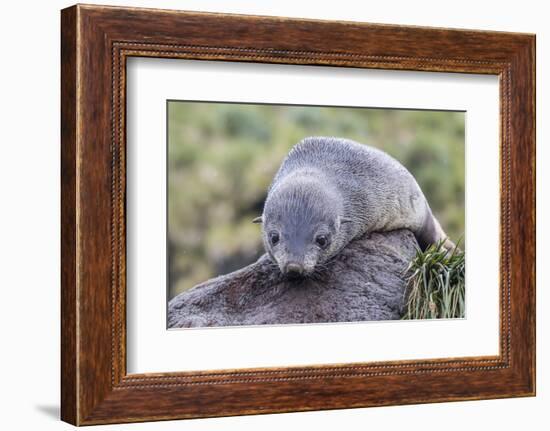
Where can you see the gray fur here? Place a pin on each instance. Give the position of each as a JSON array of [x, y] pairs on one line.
[[366, 281], [340, 189]]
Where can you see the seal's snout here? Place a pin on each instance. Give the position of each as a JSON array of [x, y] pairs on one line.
[[294, 270]]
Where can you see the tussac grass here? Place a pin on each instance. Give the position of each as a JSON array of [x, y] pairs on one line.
[[436, 287]]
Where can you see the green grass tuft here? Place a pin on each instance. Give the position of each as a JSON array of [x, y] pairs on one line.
[[436, 288]]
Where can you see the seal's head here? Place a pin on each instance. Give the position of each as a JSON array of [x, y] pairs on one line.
[[301, 223]]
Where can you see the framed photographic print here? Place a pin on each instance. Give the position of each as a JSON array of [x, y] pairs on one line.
[[264, 214]]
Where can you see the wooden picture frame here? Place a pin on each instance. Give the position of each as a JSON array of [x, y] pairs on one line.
[[95, 43]]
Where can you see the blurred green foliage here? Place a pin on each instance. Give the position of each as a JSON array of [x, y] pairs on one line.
[[222, 157]]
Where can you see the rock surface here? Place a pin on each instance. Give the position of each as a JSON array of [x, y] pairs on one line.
[[365, 281]]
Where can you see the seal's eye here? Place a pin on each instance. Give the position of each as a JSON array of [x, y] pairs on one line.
[[321, 240], [273, 238]]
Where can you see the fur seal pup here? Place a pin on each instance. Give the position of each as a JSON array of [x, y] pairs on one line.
[[329, 191]]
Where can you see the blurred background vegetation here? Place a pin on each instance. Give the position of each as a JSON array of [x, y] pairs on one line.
[[222, 157]]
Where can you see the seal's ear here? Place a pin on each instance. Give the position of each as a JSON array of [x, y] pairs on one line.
[[345, 220], [258, 220]]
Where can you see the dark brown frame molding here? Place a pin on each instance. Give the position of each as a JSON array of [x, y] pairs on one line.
[[95, 43]]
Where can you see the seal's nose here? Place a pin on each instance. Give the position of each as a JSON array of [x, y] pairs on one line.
[[294, 269]]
